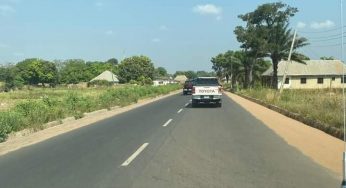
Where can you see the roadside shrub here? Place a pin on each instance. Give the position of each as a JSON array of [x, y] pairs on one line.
[[104, 83], [35, 113], [9, 121], [77, 105]]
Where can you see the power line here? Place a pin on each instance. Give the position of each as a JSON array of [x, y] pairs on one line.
[[323, 40], [328, 36], [328, 45], [324, 31]]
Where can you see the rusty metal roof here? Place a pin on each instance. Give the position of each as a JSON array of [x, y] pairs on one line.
[[310, 68]]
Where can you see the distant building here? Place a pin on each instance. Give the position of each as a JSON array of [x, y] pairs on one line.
[[108, 76], [160, 82], [180, 78], [314, 74]]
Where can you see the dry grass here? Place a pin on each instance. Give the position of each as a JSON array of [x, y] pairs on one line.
[[322, 105]]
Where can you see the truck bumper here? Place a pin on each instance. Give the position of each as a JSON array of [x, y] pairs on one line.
[[206, 99]]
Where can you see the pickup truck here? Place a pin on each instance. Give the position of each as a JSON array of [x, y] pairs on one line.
[[206, 90], [188, 87]]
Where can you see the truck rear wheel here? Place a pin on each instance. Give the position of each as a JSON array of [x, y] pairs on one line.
[[194, 103], [219, 104]]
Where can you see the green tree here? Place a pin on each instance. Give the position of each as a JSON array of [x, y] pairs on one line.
[[190, 74], [3, 72], [254, 46], [35, 71], [272, 20], [12, 78], [134, 67], [95, 68], [112, 61], [160, 72], [228, 65], [74, 71], [327, 58]]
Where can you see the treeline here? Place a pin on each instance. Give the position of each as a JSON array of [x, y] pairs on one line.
[[234, 66], [34, 71], [195, 74], [266, 34]]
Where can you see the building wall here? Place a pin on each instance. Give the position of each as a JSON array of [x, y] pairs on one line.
[[311, 82]]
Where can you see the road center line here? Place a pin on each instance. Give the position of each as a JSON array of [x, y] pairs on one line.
[[164, 125], [180, 111], [187, 104], [135, 154]]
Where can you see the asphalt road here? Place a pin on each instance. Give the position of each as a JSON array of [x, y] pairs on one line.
[[166, 144]]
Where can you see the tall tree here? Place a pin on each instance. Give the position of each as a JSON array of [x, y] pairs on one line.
[[160, 72], [74, 71], [136, 68], [228, 65], [112, 61], [272, 19], [254, 45], [35, 71]]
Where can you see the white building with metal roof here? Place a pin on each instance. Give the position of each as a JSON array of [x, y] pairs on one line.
[[313, 74]]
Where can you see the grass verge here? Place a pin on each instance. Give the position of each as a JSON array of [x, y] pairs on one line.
[[323, 106], [34, 112]]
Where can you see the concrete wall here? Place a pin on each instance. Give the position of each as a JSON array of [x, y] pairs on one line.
[[311, 82]]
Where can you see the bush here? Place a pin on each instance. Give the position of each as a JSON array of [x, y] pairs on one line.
[[35, 113], [100, 83], [9, 121]]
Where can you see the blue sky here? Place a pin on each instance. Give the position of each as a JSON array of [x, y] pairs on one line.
[[176, 34]]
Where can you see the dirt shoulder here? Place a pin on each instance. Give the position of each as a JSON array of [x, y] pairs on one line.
[[18, 141], [319, 146]]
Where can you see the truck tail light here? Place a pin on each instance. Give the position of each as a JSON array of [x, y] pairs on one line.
[[193, 90]]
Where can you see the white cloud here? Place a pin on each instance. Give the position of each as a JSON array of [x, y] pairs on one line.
[[155, 40], [322, 25], [301, 25], [207, 9], [109, 32], [6, 10], [163, 28]]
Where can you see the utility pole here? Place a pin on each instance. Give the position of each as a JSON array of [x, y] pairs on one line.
[[288, 62], [343, 184]]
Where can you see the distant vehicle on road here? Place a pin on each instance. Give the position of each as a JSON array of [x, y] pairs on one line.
[[188, 87], [206, 90]]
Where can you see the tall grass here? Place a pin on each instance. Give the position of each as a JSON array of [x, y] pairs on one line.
[[48, 106], [322, 105]]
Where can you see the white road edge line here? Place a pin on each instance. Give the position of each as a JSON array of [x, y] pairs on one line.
[[180, 110], [165, 125], [135, 154]]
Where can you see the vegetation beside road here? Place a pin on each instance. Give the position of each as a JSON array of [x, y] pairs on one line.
[[32, 109], [321, 105]]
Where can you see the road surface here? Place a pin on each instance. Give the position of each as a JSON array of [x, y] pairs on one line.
[[166, 144]]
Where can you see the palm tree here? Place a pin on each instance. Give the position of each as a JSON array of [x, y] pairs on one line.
[[279, 43]]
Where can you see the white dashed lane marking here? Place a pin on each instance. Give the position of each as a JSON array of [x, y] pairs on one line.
[[135, 154], [169, 121]]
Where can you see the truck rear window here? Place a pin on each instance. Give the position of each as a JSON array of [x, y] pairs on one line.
[[206, 82]]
